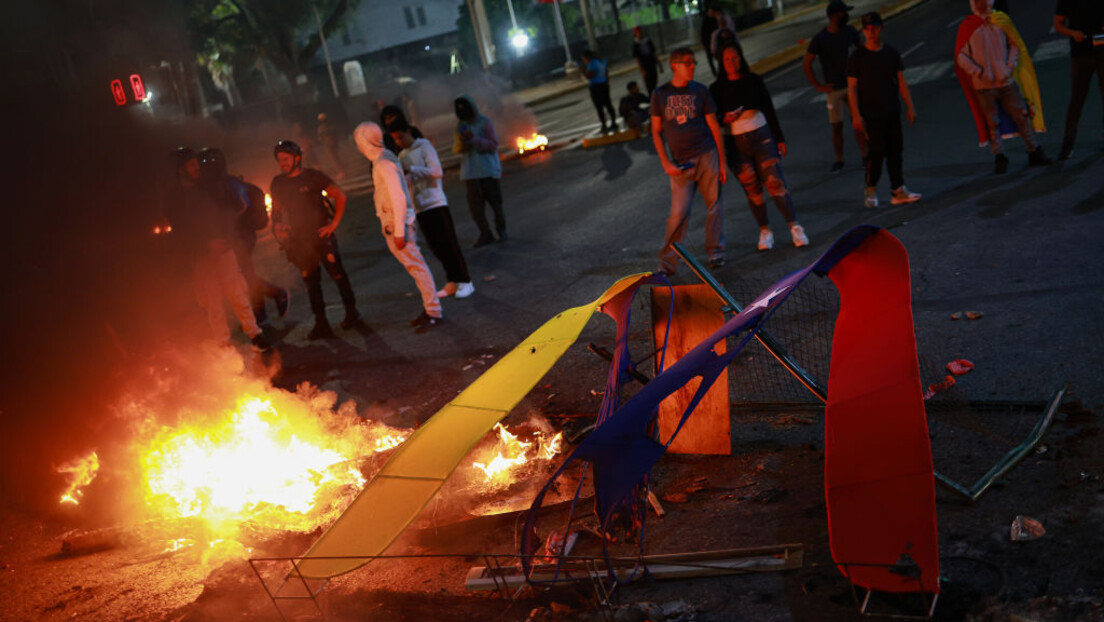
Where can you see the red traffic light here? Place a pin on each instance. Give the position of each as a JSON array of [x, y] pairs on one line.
[[137, 86], [118, 93]]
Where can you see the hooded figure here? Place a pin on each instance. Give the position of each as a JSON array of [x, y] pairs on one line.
[[396, 214], [480, 168]]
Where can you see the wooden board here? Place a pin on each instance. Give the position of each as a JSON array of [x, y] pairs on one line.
[[610, 139], [697, 314]]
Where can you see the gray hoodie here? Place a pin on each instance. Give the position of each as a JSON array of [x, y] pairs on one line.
[[391, 196], [988, 56]]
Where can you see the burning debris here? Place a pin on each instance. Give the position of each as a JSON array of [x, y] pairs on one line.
[[81, 472], [510, 452], [535, 142]]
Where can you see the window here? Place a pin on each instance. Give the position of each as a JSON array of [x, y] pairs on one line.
[[421, 16], [409, 17]]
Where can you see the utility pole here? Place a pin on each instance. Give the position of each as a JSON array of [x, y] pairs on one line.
[[325, 51], [592, 43], [569, 67], [482, 33]]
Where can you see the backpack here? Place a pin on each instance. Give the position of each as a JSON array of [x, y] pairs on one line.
[[255, 216]]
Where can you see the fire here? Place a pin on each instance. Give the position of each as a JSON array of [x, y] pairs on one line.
[[81, 473], [268, 203], [535, 142], [158, 230], [511, 452]]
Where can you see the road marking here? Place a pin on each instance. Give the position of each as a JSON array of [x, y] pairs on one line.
[[927, 73], [956, 22], [913, 49], [1055, 48], [785, 97], [779, 74]]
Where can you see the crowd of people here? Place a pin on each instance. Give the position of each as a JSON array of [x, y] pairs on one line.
[[700, 133]]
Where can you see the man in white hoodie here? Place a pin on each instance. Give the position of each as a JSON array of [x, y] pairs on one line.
[[396, 214], [423, 176]]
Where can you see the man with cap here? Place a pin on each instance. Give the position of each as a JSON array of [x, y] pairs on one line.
[[833, 44], [875, 79]]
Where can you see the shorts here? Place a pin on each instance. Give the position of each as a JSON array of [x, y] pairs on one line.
[[837, 104]]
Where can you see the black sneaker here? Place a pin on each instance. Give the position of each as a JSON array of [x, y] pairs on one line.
[[422, 318], [260, 344], [836, 167], [1000, 164], [484, 239], [321, 330], [429, 323], [283, 302], [717, 262], [352, 318], [1039, 158], [1066, 152]]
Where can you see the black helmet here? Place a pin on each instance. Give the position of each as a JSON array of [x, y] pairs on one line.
[[181, 155], [212, 161], [287, 146]]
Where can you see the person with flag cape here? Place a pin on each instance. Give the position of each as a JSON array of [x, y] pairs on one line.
[[998, 78]]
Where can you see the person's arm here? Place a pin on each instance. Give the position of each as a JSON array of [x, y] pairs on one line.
[[1013, 53], [488, 141], [807, 65], [338, 195], [966, 62], [715, 129], [661, 149], [853, 103], [393, 187], [903, 89], [767, 106], [432, 168], [1060, 27]]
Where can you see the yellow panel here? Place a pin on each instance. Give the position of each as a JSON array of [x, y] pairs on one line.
[[435, 448]]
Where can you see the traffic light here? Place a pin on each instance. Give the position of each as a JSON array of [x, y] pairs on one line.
[[137, 87], [118, 93]]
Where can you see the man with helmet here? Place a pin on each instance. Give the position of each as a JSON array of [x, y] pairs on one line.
[[304, 225], [234, 191], [205, 226]]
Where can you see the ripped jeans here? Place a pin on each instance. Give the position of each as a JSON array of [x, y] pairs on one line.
[[754, 160]]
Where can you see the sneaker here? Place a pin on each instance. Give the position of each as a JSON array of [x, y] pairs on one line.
[[717, 262], [871, 200], [766, 240], [463, 290], [422, 318], [1066, 152], [321, 330], [484, 239], [260, 344], [1001, 164], [836, 167], [430, 322], [797, 232], [283, 302], [904, 195], [1039, 158], [352, 318], [449, 289]]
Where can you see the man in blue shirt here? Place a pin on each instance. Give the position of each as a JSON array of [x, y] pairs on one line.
[[683, 113], [594, 69]]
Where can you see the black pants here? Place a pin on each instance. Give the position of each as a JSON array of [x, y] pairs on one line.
[[600, 95], [440, 234], [885, 143], [651, 76], [259, 289], [329, 258], [481, 191], [1082, 69]]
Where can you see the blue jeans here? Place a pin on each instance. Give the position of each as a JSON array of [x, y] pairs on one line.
[[754, 160], [1009, 100], [704, 176]]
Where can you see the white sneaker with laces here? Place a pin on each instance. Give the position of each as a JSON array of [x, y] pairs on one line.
[[797, 232], [766, 240], [904, 195], [871, 200], [463, 290]]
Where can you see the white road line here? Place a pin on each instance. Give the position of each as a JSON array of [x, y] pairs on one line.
[[927, 73], [785, 97], [913, 49], [956, 22], [1055, 48]]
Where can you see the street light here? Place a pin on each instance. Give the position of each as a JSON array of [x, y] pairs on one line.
[[520, 40]]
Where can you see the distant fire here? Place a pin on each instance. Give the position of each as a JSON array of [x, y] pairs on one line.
[[510, 452], [159, 230], [81, 472], [535, 142], [268, 202]]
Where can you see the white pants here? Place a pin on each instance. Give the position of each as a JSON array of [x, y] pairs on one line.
[[216, 278], [411, 258]]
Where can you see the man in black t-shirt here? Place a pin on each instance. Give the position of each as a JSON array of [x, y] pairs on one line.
[[1083, 22], [832, 45], [875, 77], [304, 227]]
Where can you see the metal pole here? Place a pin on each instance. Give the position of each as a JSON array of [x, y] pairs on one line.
[[563, 35], [513, 18], [478, 34], [325, 51]]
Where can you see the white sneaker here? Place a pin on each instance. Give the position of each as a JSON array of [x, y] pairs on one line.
[[766, 240], [871, 200], [463, 290], [903, 195], [797, 232]]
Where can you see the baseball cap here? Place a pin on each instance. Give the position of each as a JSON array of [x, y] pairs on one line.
[[871, 19], [837, 6]]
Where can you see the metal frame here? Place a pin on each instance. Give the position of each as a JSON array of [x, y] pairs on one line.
[[928, 607]]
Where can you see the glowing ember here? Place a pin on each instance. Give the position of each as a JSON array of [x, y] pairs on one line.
[[535, 142], [511, 452], [158, 230], [81, 472]]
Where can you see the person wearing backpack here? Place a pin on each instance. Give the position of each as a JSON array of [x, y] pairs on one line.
[[212, 164]]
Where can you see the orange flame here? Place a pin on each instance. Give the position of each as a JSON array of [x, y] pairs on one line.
[[535, 142], [268, 203], [81, 471], [511, 452]]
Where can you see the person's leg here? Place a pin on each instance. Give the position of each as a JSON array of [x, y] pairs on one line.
[[208, 293], [1012, 103], [233, 288], [331, 260], [682, 194], [456, 267], [877, 137], [1081, 70], [651, 78], [493, 192], [837, 101], [707, 176], [476, 209], [410, 256], [604, 95], [596, 99], [768, 165], [987, 104], [895, 153], [429, 222], [742, 165]]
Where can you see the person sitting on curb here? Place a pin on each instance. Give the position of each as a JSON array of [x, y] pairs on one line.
[[633, 107]]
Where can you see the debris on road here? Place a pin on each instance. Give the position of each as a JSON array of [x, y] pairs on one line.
[[1025, 528]]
